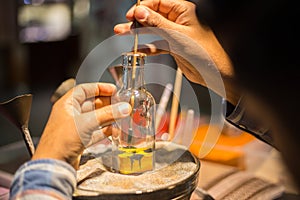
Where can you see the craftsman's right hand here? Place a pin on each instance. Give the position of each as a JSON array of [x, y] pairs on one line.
[[78, 119], [193, 38]]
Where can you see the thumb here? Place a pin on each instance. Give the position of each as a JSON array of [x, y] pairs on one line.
[[89, 122], [148, 17]]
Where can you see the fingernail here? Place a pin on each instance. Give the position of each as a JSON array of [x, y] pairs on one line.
[[124, 108], [141, 13]]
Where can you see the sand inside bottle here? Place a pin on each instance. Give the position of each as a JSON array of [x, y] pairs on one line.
[[135, 160]]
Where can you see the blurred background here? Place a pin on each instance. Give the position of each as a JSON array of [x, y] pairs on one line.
[[43, 43]]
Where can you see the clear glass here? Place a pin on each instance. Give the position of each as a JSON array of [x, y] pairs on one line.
[[133, 146]]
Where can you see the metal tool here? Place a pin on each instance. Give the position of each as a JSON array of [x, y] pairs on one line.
[[17, 110]]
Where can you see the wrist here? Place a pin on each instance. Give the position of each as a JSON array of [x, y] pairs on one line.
[[60, 154]]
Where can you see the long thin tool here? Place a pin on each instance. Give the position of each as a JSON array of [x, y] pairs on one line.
[[175, 103], [163, 104], [135, 46]]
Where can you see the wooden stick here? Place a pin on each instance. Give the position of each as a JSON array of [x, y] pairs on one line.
[[175, 103], [163, 104], [135, 46], [188, 130]]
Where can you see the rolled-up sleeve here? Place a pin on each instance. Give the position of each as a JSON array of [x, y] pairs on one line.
[[44, 179]]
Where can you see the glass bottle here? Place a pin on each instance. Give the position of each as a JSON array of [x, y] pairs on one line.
[[133, 146]]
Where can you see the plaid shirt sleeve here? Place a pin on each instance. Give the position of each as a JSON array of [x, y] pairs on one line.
[[43, 179]]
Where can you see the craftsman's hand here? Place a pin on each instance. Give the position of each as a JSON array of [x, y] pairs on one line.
[[82, 111], [187, 39]]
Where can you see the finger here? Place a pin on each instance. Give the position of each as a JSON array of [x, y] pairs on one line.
[[102, 134], [102, 101], [96, 136], [161, 9], [104, 116], [85, 91], [89, 122], [130, 13], [148, 17], [123, 28], [169, 9], [95, 103], [109, 130], [109, 114], [152, 4], [126, 29]]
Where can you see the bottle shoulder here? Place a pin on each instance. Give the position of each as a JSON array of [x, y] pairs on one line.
[[126, 94]]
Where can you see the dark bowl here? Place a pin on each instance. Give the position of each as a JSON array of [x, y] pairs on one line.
[[181, 190]]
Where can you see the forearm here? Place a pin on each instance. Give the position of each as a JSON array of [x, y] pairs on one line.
[[222, 62], [207, 65], [44, 178]]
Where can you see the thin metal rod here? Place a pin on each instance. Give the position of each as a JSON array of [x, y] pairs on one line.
[[28, 140]]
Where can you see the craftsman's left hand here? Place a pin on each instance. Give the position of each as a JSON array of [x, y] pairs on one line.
[[82, 111]]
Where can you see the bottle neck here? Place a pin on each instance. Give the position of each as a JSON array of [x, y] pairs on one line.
[[133, 81], [133, 68]]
